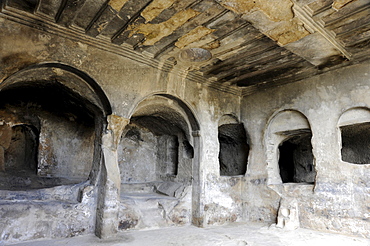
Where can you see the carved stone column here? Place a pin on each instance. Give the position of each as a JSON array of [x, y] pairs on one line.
[[198, 184], [110, 183]]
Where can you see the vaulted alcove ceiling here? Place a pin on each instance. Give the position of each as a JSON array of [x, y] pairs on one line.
[[253, 44]]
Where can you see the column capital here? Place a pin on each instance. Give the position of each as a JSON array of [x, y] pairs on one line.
[[116, 124]]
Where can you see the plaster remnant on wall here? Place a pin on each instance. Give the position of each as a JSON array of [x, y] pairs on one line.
[[117, 4], [277, 21], [276, 12], [192, 36], [288, 32], [155, 32], [338, 4], [155, 8], [213, 45]]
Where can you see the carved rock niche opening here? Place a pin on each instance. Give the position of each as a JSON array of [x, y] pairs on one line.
[[47, 136], [354, 126], [289, 151], [155, 154], [296, 158], [234, 148]]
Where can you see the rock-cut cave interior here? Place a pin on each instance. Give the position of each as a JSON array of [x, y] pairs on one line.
[[133, 115]]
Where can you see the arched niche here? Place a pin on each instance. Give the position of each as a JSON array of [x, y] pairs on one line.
[[51, 120], [21, 155], [354, 125], [157, 149], [289, 149], [234, 148]]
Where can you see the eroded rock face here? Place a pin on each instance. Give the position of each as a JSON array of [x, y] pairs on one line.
[[296, 160], [151, 210], [133, 181], [44, 125], [355, 143], [137, 155], [145, 156], [279, 21], [233, 156]]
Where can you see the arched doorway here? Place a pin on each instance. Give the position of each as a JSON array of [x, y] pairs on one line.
[[158, 157], [52, 116], [289, 149]]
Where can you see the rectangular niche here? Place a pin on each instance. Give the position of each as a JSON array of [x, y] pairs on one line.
[[296, 162], [356, 143], [234, 149], [354, 125]]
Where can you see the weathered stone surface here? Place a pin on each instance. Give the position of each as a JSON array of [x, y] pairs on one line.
[[109, 190], [333, 202], [55, 218], [155, 32], [117, 4], [150, 210], [155, 8], [137, 156], [192, 36], [288, 215], [116, 124], [316, 49], [234, 149], [174, 178], [338, 4], [275, 12], [288, 29], [66, 138]]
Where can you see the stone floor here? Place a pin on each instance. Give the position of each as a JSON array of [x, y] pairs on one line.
[[230, 235]]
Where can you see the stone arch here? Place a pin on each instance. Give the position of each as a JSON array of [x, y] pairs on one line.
[[158, 156], [354, 126], [234, 147], [68, 109], [289, 149], [163, 120], [21, 155], [179, 103], [228, 119], [71, 77]]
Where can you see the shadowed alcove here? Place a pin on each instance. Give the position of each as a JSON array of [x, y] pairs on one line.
[[234, 148], [354, 126], [155, 151], [48, 130], [158, 161], [290, 149]]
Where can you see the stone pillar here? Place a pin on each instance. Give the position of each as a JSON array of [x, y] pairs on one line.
[[197, 185], [110, 182]]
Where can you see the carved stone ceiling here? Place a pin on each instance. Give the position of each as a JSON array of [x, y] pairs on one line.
[[238, 46]]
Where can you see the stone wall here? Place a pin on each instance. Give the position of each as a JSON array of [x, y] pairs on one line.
[[122, 86], [138, 105], [337, 199]]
